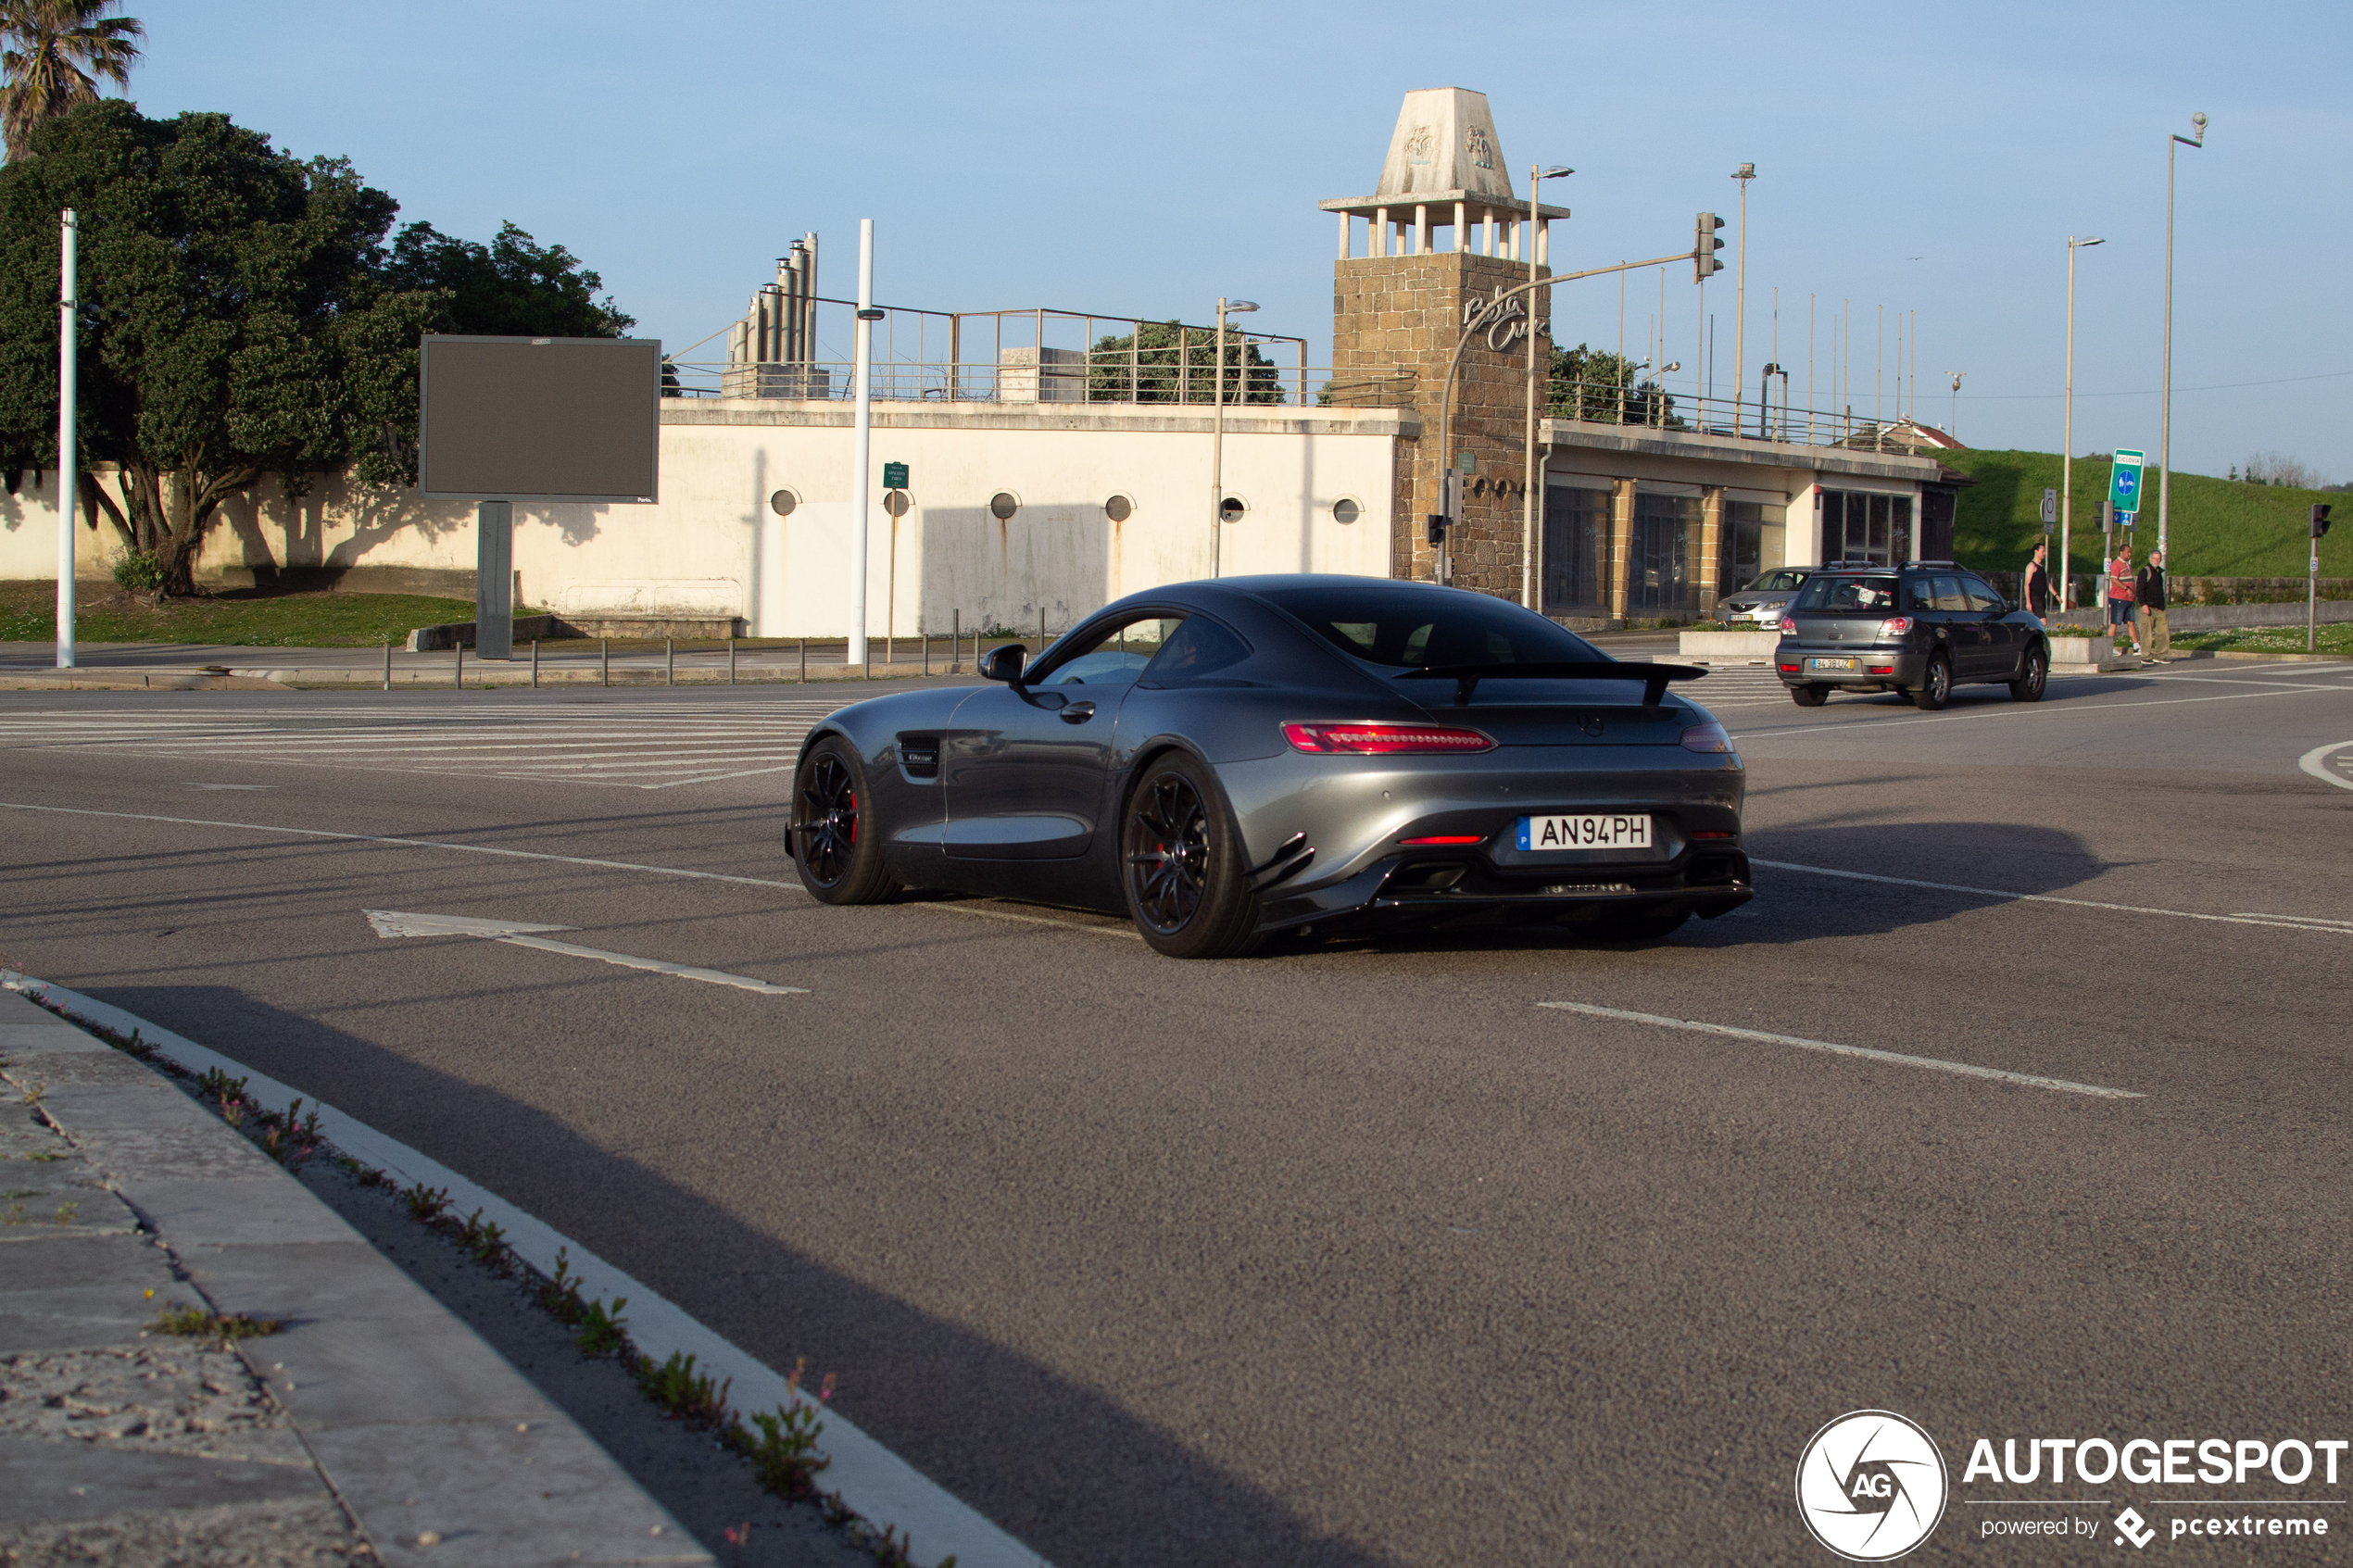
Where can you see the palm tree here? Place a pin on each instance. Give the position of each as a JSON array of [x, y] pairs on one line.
[[53, 53]]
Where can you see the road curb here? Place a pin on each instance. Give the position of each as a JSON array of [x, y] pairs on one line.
[[869, 1479], [442, 1451]]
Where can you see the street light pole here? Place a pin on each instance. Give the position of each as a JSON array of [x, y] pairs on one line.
[[1529, 483], [1217, 438], [69, 463], [1744, 173], [2165, 417], [1953, 417], [2067, 447], [861, 444]]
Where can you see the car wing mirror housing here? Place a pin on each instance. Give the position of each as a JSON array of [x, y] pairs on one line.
[[1003, 664]]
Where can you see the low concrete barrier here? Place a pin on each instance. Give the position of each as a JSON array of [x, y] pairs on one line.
[[1728, 648]]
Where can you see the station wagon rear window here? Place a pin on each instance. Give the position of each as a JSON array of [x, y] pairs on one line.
[[1846, 595]]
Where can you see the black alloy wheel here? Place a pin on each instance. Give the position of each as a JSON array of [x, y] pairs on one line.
[[1936, 685], [832, 844], [1809, 696], [2031, 681], [1181, 866]]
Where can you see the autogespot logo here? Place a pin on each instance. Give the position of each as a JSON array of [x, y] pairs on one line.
[[1872, 1485]]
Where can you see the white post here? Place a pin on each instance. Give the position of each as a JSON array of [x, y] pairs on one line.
[[67, 460], [861, 444], [1217, 453], [1343, 236]]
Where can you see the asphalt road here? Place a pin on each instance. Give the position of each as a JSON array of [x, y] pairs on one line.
[[1350, 1256]]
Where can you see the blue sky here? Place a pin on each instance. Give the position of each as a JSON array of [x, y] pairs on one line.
[[1141, 160]]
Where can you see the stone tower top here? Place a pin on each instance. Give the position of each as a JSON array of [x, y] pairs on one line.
[[1445, 169], [1445, 149]]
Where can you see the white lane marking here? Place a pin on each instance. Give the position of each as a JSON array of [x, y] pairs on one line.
[[2316, 762], [2029, 711], [538, 855], [2285, 921], [232, 786], [871, 1479], [407, 843], [1935, 1064], [2322, 921], [393, 922]]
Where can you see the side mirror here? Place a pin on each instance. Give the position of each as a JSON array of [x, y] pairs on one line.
[[1003, 664]]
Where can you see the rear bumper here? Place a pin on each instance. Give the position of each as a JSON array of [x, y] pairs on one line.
[[1417, 886], [1873, 666]]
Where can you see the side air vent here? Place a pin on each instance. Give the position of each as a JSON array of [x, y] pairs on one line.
[[919, 755]]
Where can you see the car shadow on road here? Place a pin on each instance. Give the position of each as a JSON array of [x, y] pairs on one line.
[[1065, 1469]]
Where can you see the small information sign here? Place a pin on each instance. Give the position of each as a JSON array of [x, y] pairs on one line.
[[894, 476]]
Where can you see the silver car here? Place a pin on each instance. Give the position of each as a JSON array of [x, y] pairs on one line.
[[1224, 760], [1761, 604]]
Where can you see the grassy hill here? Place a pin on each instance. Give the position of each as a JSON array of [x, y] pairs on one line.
[[2218, 528]]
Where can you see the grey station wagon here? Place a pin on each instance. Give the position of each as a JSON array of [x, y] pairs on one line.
[[1921, 628]]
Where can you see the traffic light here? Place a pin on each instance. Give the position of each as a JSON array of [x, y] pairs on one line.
[[1436, 529], [1704, 245], [2319, 519]]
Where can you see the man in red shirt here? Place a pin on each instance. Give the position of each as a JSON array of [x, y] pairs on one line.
[[2119, 600]]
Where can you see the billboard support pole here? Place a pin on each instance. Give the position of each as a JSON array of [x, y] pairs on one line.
[[495, 579], [862, 445]]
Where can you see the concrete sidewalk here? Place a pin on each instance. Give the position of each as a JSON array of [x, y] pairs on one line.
[[197, 666], [370, 1427]]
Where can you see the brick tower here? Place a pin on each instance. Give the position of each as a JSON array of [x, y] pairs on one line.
[[1399, 309]]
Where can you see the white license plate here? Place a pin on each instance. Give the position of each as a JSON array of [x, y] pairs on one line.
[[1830, 664], [1614, 831]]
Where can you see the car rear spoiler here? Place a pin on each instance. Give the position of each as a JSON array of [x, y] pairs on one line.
[[1466, 677]]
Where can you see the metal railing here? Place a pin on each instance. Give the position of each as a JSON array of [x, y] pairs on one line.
[[1647, 403], [1125, 375]]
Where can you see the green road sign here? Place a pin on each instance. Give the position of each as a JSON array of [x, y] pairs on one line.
[[2125, 480], [894, 476], [1468, 462]]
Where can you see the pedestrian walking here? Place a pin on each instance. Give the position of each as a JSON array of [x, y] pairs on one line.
[[2148, 589], [2041, 599], [2119, 599]]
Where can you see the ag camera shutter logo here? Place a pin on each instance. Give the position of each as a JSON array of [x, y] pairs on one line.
[[1872, 1485]]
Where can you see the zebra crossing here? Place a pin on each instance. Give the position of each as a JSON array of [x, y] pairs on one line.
[[1735, 685], [644, 746]]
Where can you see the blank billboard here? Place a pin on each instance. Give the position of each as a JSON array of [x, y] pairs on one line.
[[539, 419]]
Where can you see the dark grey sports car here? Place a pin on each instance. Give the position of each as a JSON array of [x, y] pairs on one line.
[[1222, 760]]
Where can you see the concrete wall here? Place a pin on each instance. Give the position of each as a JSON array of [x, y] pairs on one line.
[[714, 546]]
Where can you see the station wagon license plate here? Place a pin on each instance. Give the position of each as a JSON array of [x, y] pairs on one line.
[[1830, 664], [1619, 831]]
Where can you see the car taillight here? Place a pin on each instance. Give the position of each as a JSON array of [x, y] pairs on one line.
[[1448, 838], [1895, 626], [1789, 626], [1706, 737], [1882, 670], [1384, 740], [1789, 668], [1709, 833]]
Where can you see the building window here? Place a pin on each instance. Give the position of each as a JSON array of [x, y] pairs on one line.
[[1749, 543], [1119, 508], [1662, 576], [1003, 504], [1860, 526], [782, 503], [1346, 510], [1576, 545]]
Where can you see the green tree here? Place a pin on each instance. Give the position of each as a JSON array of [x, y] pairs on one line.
[[53, 55], [1589, 384], [511, 287], [233, 322], [1151, 366]]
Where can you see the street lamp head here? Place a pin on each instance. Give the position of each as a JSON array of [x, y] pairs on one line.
[[1558, 171], [1238, 306], [2197, 123], [1670, 367], [1745, 171], [2095, 240]]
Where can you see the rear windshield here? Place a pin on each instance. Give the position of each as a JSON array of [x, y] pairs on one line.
[[1414, 628], [1835, 596]]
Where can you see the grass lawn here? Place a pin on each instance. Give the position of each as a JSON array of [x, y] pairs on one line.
[[2218, 528], [2336, 639], [251, 618]]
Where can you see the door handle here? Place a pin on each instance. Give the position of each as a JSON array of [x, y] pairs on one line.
[[1079, 712]]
